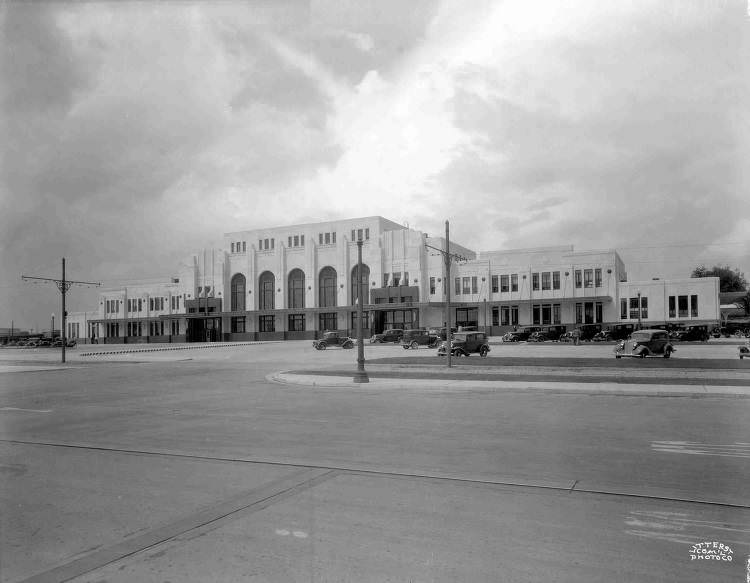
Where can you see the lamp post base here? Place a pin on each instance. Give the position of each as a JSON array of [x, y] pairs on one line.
[[360, 376]]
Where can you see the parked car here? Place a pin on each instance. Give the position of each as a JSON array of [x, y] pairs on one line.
[[603, 336], [554, 332], [621, 331], [643, 343], [588, 331], [538, 336], [440, 332], [466, 343], [332, 338], [692, 333], [392, 335], [416, 338], [521, 335], [44, 342]]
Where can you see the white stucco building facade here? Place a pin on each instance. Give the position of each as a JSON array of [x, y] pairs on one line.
[[293, 282]]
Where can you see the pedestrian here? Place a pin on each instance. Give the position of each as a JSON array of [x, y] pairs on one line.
[[576, 336]]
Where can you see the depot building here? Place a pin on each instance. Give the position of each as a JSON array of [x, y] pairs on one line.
[[294, 282]]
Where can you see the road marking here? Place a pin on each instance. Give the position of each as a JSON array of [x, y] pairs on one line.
[[26, 410], [736, 449]]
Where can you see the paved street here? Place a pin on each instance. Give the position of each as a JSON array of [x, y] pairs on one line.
[[195, 465]]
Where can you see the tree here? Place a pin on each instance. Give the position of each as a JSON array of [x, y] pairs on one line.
[[730, 280], [743, 303]]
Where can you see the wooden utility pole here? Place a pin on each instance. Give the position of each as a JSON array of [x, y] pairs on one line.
[[63, 285]]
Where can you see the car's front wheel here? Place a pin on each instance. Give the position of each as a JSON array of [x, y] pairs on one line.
[[483, 351], [414, 344], [321, 346], [667, 353], [459, 353], [348, 345]]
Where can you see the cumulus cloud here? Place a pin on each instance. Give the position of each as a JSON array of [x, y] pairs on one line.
[[138, 132]]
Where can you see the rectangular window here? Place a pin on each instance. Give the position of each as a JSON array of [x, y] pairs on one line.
[[302, 240], [458, 286], [175, 327], [466, 288], [432, 286], [151, 304], [546, 280], [359, 234], [327, 321], [644, 308], [536, 315], [623, 308], [505, 316], [328, 238], [265, 243], [556, 317], [693, 306], [634, 309], [579, 313], [365, 320], [267, 323], [579, 279], [260, 244], [599, 316], [367, 234], [495, 316], [289, 241], [397, 279], [272, 242], [598, 277], [547, 315], [238, 324], [406, 278], [682, 306], [514, 282], [296, 240], [504, 285], [588, 278], [588, 312], [320, 238], [232, 247], [140, 304], [467, 317], [333, 237], [535, 281], [514, 315], [296, 323], [495, 287], [672, 307], [386, 278], [555, 280], [244, 246], [474, 285], [353, 235]]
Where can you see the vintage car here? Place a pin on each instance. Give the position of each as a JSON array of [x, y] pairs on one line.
[[466, 343], [416, 338], [603, 336], [521, 335], [745, 350], [538, 336], [643, 343], [392, 335], [333, 339], [692, 333], [588, 331]]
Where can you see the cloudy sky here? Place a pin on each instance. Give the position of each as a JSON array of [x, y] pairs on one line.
[[136, 133]]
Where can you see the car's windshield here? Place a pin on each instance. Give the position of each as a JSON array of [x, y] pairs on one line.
[[459, 337], [641, 336]]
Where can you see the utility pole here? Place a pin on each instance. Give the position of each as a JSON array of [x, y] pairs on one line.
[[361, 375], [63, 285], [447, 257]]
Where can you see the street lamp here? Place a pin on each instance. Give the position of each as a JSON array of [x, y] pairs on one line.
[[360, 376], [639, 308]]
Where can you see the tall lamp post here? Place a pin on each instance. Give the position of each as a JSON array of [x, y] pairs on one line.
[[360, 376], [639, 308]]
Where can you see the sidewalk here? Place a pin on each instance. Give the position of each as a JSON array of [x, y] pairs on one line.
[[574, 380]]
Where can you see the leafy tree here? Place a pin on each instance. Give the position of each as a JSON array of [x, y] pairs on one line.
[[744, 303], [730, 280]]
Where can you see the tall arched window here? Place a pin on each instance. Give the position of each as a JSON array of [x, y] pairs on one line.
[[327, 288], [365, 287], [266, 285], [296, 288], [238, 293]]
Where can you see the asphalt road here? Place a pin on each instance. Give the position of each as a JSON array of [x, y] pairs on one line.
[[190, 465]]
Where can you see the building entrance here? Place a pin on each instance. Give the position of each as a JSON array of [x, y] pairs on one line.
[[204, 330]]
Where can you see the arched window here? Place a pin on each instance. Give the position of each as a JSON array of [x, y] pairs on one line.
[[238, 293], [266, 285], [296, 288], [327, 288], [365, 287]]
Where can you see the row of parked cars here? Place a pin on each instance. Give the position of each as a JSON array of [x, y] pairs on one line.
[[40, 343]]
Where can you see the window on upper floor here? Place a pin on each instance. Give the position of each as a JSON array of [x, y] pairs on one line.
[[504, 283], [588, 278], [579, 278], [535, 281], [546, 280], [495, 287], [514, 283], [598, 277], [555, 280]]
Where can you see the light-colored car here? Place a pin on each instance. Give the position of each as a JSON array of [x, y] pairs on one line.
[[643, 343]]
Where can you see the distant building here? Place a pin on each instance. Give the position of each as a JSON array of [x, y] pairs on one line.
[[296, 281]]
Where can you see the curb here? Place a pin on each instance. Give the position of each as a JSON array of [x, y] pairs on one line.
[[167, 348]]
